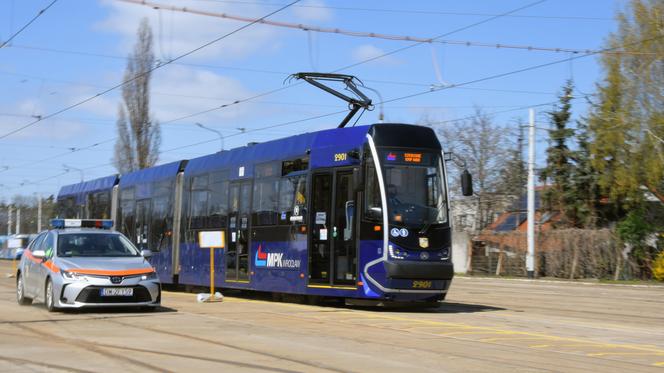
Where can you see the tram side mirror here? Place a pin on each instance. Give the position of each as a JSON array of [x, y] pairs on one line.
[[466, 183], [358, 179]]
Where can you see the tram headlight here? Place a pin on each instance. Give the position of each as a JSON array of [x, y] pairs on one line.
[[395, 253]]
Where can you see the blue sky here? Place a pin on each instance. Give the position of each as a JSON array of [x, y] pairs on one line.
[[77, 49]]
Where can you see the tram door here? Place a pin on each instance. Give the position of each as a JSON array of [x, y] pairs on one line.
[[143, 224], [237, 253], [333, 253]]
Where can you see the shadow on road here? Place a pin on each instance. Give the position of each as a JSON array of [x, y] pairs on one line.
[[333, 304]]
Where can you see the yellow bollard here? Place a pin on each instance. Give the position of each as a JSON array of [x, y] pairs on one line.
[[212, 240], [211, 273]]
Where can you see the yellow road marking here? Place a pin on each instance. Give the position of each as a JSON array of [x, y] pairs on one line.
[[508, 339], [475, 329], [646, 348], [539, 346], [659, 364], [625, 353], [475, 332]]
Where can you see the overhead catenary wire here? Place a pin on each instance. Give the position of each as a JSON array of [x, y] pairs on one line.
[[358, 63], [282, 88], [24, 27], [375, 35], [410, 11], [137, 76], [433, 89]]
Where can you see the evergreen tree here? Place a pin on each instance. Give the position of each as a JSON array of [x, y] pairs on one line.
[[559, 168], [584, 179]]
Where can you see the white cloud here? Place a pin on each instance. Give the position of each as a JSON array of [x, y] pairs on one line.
[[180, 32], [182, 81], [312, 10], [48, 129], [367, 51]]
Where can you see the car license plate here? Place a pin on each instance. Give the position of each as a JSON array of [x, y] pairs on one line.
[[117, 292]]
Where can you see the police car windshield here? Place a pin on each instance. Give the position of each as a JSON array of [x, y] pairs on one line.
[[95, 245]]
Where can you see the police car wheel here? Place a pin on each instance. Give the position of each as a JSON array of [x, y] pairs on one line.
[[48, 296], [20, 292]]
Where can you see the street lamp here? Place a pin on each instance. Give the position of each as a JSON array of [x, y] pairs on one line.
[[221, 136], [69, 168]]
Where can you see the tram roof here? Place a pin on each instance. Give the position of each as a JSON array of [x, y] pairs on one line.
[[322, 146], [80, 190], [152, 174]]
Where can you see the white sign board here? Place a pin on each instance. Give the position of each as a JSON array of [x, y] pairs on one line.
[[211, 239], [14, 243]]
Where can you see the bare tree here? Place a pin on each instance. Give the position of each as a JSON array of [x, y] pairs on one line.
[[481, 146], [139, 135]]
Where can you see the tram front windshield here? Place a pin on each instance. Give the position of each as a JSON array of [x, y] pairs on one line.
[[414, 184]]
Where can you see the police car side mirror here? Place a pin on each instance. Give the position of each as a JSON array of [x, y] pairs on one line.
[[146, 253], [39, 254]]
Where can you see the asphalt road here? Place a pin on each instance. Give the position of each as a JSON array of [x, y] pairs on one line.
[[487, 325]]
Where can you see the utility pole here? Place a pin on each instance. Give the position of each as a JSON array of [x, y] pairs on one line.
[[530, 257], [18, 220], [9, 219], [39, 212]]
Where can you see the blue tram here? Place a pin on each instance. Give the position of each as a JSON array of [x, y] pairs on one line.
[[360, 213]]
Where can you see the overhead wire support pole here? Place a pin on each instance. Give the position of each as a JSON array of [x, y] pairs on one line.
[[530, 257]]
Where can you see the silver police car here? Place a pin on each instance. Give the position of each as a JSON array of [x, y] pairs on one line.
[[82, 263]]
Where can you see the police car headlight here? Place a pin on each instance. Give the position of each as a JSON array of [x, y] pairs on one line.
[[73, 276], [149, 276]]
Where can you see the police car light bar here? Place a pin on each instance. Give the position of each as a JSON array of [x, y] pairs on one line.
[[81, 223]]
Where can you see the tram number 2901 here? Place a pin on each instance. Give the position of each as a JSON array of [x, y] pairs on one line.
[[422, 284], [340, 157]]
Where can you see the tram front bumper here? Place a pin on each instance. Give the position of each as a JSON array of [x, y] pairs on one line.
[[412, 270]]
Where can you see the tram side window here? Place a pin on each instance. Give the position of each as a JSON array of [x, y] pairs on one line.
[[160, 227], [99, 205], [218, 199], [372, 204], [199, 201], [295, 165], [265, 202], [67, 208], [127, 212], [292, 199]]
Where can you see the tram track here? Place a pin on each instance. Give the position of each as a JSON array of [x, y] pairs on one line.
[[31, 362], [509, 348], [232, 346], [91, 347]]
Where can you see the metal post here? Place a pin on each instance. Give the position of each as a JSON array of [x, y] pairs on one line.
[[530, 258], [39, 213], [10, 211], [18, 220], [221, 136]]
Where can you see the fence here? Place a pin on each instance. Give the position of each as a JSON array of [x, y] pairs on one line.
[[565, 253]]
